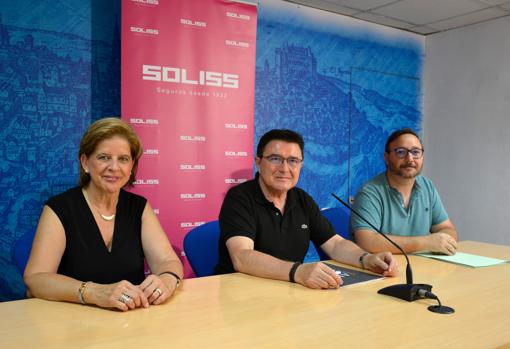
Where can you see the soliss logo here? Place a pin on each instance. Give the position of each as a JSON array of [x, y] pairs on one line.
[[149, 31], [193, 23], [183, 76]]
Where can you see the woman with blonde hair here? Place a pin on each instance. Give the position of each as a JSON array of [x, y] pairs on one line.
[[92, 240]]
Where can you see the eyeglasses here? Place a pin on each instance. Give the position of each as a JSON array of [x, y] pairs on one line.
[[278, 160], [401, 153]]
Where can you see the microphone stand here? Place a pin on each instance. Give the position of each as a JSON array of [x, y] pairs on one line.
[[408, 291]]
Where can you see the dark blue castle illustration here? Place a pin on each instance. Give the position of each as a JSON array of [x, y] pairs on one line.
[[344, 112], [52, 85], [345, 123]]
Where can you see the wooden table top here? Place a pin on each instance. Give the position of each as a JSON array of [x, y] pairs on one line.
[[241, 311]]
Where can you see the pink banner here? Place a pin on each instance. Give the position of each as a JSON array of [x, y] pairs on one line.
[[188, 79]]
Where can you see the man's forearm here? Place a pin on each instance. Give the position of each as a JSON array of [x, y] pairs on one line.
[[450, 231], [346, 251], [374, 242], [262, 265]]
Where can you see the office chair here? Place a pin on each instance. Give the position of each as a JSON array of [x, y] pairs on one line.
[[21, 250], [339, 218], [201, 248]]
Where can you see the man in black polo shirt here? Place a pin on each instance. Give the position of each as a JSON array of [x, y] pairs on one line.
[[267, 223]]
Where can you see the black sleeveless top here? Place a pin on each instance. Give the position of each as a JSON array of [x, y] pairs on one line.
[[86, 256]]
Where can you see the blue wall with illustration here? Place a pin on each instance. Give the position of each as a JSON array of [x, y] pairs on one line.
[[59, 70], [344, 84]]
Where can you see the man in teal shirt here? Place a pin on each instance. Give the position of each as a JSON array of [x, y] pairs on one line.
[[403, 204]]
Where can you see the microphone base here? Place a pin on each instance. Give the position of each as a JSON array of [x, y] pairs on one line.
[[406, 292], [441, 309]]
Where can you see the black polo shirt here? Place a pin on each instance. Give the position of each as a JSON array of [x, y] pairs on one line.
[[246, 212]]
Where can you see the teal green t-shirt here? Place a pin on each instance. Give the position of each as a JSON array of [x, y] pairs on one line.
[[383, 206]]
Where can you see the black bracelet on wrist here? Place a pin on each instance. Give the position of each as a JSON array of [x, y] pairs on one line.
[[292, 271], [361, 259], [177, 277]]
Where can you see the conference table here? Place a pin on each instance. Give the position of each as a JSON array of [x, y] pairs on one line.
[[242, 311]]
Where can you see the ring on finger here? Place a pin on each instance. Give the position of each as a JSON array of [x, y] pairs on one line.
[[158, 290], [124, 298]]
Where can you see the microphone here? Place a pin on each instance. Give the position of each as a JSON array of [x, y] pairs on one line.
[[408, 291]]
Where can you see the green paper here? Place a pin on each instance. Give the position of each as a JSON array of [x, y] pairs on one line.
[[471, 260]]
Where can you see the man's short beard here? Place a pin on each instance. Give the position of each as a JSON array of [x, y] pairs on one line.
[[400, 173]]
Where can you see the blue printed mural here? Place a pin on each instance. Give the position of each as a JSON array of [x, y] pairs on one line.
[[59, 70], [344, 89], [345, 86]]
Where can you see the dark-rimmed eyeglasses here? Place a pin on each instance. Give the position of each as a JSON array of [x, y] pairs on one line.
[[278, 160], [401, 153]]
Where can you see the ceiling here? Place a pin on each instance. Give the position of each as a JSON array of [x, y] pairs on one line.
[[417, 16]]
